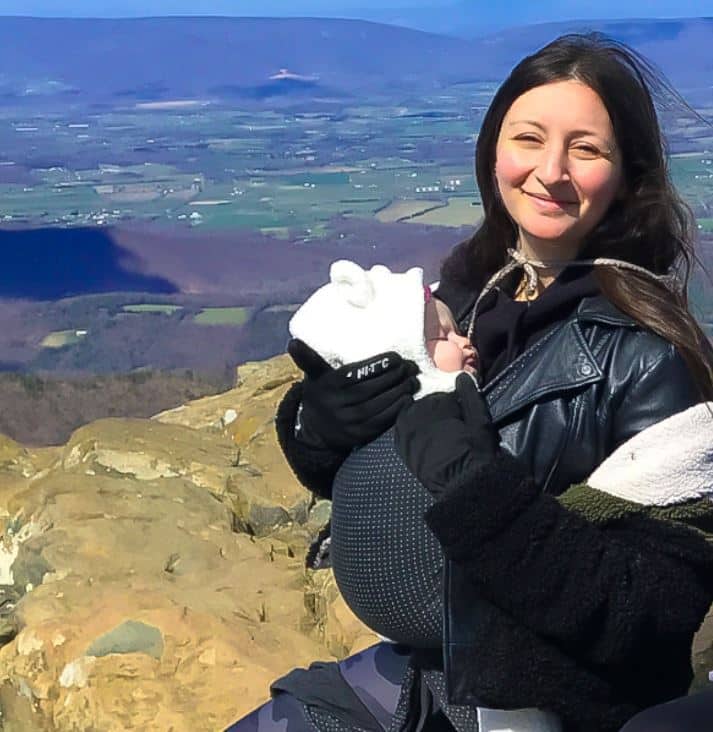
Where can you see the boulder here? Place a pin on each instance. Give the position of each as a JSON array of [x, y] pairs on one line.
[[703, 655], [152, 571], [263, 491]]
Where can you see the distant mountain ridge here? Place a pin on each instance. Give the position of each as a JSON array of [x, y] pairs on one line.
[[165, 58], [192, 56]]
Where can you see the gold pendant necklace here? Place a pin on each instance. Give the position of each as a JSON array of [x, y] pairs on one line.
[[524, 289]]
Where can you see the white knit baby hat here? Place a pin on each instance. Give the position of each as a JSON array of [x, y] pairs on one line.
[[361, 313]]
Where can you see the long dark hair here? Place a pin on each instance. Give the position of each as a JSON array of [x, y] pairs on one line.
[[650, 226]]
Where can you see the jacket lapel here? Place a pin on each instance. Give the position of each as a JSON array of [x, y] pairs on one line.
[[558, 363]]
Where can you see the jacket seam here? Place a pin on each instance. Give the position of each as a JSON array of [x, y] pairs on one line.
[[571, 420], [646, 374]]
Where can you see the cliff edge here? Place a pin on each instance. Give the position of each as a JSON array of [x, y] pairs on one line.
[[151, 570]]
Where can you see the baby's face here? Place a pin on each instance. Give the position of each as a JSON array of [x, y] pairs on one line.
[[448, 350]]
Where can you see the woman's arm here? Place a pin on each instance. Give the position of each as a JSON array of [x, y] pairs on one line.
[[598, 578], [595, 574]]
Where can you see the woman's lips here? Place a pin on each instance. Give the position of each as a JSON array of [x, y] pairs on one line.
[[548, 203]]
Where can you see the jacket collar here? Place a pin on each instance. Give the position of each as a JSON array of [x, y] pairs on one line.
[[560, 362], [597, 309], [594, 309]]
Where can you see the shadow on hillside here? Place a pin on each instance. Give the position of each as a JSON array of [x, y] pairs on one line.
[[51, 263]]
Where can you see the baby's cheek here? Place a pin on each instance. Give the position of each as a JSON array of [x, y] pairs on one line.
[[447, 356]]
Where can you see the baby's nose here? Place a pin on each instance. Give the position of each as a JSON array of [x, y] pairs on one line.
[[459, 340]]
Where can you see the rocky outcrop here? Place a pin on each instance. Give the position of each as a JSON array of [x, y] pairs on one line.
[[151, 571], [703, 655]]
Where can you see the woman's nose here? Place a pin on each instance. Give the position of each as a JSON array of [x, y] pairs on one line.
[[553, 165]]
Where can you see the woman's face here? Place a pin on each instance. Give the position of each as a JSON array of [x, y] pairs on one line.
[[558, 166]]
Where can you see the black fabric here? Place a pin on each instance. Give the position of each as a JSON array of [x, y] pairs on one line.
[[588, 384], [590, 381], [425, 715], [387, 564], [323, 686], [608, 613], [446, 436], [690, 714], [504, 327], [352, 405]]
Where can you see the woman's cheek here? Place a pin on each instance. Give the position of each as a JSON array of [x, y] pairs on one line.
[[599, 184], [510, 165]]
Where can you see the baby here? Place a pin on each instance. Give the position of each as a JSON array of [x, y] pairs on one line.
[[360, 313], [387, 564], [448, 349]]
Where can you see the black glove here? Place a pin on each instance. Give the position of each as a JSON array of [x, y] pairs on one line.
[[445, 438], [350, 406]]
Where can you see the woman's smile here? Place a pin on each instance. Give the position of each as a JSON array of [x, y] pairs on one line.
[[549, 204]]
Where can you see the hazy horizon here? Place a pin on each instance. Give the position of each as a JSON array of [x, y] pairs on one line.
[[408, 13]]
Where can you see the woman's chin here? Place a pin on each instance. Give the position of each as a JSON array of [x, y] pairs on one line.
[[555, 239]]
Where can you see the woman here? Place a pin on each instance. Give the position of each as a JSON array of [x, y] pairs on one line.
[[569, 606]]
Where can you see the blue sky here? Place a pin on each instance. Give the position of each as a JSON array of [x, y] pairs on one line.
[[514, 12]]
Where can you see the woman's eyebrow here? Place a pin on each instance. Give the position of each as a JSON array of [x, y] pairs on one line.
[[540, 126]]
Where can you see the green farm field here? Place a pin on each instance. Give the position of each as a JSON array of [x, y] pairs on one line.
[[223, 316], [151, 308]]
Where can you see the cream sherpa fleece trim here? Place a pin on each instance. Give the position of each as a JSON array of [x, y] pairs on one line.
[[360, 313], [517, 720], [670, 462]]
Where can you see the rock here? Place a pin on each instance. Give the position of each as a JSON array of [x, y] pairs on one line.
[[229, 417], [30, 566], [146, 450], [261, 506], [319, 515], [129, 637], [702, 655], [11, 452], [76, 673], [261, 490], [148, 607], [330, 619]]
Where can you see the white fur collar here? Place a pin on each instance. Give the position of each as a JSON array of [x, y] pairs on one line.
[[667, 463]]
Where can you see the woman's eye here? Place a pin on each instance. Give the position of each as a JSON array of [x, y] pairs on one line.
[[587, 150], [584, 150]]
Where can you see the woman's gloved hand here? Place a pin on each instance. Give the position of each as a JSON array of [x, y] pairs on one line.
[[350, 406], [444, 438]]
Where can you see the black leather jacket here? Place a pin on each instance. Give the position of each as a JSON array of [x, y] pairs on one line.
[[561, 407], [588, 385]]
